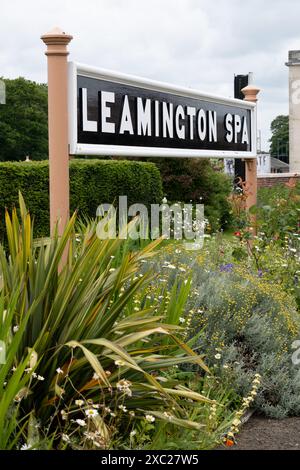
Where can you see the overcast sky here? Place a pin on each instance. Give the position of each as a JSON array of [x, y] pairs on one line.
[[195, 43]]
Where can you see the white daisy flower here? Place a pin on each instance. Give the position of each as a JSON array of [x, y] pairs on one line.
[[79, 402], [81, 422], [150, 418], [122, 408], [119, 363], [91, 413], [25, 447]]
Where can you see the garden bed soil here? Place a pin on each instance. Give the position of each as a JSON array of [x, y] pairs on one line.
[[268, 434]]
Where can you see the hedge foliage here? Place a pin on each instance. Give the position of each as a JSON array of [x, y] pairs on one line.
[[92, 182]]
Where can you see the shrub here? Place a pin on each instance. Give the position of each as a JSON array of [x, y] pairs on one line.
[[196, 180], [252, 323], [92, 182], [244, 324], [278, 211], [274, 249], [191, 179], [78, 346]]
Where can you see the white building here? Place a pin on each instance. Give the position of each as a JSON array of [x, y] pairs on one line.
[[263, 163]]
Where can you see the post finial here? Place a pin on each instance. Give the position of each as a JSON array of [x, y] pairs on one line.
[[56, 37], [250, 93]]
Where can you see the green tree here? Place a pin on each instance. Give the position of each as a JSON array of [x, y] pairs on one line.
[[280, 136], [24, 121]]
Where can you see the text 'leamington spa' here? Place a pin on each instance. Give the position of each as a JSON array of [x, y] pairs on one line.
[[155, 118]]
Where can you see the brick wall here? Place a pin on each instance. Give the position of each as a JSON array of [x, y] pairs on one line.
[[271, 179]]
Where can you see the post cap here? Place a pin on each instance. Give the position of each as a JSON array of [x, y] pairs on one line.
[[56, 37], [250, 93]]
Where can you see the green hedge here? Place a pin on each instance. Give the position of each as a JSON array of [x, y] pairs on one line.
[[92, 182]]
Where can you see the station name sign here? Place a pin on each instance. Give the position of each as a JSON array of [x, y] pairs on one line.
[[117, 114]]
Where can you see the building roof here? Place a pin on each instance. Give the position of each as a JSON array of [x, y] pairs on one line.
[[276, 163]]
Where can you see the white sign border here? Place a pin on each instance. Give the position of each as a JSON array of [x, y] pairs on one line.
[[75, 148]]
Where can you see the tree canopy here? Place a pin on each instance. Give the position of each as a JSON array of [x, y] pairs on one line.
[[24, 121], [280, 136]]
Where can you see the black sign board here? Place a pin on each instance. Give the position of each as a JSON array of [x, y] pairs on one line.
[[114, 114]]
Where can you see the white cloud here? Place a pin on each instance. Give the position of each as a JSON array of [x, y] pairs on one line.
[[195, 43]]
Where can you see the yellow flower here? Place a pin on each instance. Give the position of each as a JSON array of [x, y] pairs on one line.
[[236, 422]]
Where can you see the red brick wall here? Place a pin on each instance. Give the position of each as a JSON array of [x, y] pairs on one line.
[[266, 181]]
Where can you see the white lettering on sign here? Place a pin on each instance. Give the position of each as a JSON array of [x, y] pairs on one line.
[[148, 113], [212, 125], [167, 119], [89, 126], [126, 121], [156, 118], [233, 126], [107, 97], [237, 127], [245, 136], [143, 117], [179, 127], [229, 129], [191, 112], [202, 124]]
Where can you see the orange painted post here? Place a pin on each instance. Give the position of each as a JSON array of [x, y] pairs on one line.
[[251, 182], [250, 92], [57, 52]]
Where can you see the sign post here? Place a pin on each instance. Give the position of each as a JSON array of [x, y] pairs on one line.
[[250, 92], [56, 42], [99, 112]]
